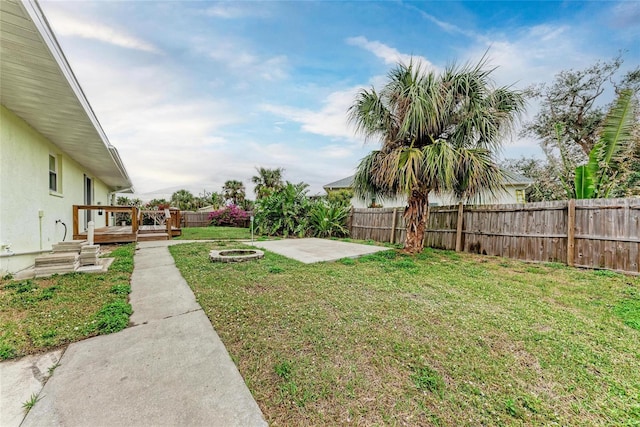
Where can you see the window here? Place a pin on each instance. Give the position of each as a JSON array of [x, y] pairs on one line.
[[53, 173], [520, 196]]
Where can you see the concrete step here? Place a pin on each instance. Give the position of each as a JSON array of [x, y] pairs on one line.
[[148, 237]]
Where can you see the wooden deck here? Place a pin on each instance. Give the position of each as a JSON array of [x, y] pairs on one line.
[[111, 234], [129, 233], [125, 234]]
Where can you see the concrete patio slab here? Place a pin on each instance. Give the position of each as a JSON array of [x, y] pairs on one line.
[[309, 251]]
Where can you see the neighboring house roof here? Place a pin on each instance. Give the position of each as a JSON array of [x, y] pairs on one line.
[[341, 183], [512, 179], [39, 86]]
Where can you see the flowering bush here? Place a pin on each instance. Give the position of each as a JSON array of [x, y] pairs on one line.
[[231, 215]]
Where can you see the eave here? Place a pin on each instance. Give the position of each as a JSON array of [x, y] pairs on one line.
[[38, 85]]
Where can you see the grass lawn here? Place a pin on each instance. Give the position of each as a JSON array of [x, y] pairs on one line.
[[436, 339], [214, 233], [42, 314]]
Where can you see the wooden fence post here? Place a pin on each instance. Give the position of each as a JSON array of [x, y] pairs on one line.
[[571, 232], [350, 221], [393, 225], [459, 227]]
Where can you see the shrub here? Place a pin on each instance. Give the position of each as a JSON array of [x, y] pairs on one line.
[[284, 212], [231, 215], [328, 220]]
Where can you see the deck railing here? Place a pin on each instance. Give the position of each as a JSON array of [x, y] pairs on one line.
[[119, 209]]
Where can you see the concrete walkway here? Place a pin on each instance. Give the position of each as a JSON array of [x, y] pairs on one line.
[[169, 368]]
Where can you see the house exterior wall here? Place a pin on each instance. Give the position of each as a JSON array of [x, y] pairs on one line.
[[506, 197], [28, 209]]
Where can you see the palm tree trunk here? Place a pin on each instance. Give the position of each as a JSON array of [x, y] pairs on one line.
[[415, 216]]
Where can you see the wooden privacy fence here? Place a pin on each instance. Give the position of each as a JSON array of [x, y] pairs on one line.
[[195, 219], [201, 219], [600, 233]]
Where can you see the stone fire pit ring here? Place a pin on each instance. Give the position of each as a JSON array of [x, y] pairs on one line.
[[235, 255]]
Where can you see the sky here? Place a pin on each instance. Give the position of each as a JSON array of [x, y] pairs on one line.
[[194, 93]]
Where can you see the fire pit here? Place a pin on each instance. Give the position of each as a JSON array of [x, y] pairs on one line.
[[235, 255]]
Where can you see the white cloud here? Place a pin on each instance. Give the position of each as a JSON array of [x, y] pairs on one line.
[[235, 10], [388, 54], [230, 55], [447, 26], [67, 25], [164, 137], [330, 120], [626, 14]]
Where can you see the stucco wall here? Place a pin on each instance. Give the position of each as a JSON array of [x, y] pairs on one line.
[[506, 197], [25, 195]]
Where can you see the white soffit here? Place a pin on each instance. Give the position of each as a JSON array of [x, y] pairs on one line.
[[38, 85]]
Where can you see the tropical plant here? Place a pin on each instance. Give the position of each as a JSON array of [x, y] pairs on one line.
[[284, 212], [125, 217], [216, 200], [267, 181], [328, 219], [233, 191], [183, 200], [598, 177], [438, 133], [158, 204]]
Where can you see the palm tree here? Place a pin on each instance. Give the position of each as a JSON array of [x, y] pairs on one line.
[[234, 191], [183, 200], [438, 133], [267, 181]]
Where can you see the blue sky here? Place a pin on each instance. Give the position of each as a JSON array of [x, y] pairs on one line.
[[195, 93]]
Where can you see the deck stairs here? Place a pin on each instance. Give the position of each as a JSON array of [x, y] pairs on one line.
[[148, 233]]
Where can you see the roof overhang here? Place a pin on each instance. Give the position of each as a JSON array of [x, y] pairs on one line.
[[38, 85]]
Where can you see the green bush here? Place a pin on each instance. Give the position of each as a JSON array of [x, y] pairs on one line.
[[328, 220], [284, 212]]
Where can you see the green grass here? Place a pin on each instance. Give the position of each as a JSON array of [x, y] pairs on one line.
[[440, 338], [40, 314], [214, 233]]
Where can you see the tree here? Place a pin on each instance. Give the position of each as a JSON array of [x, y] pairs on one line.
[[158, 204], [123, 201], [438, 133], [216, 200], [341, 197], [125, 216], [267, 181], [546, 184], [183, 200], [574, 101], [599, 176], [234, 191]]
